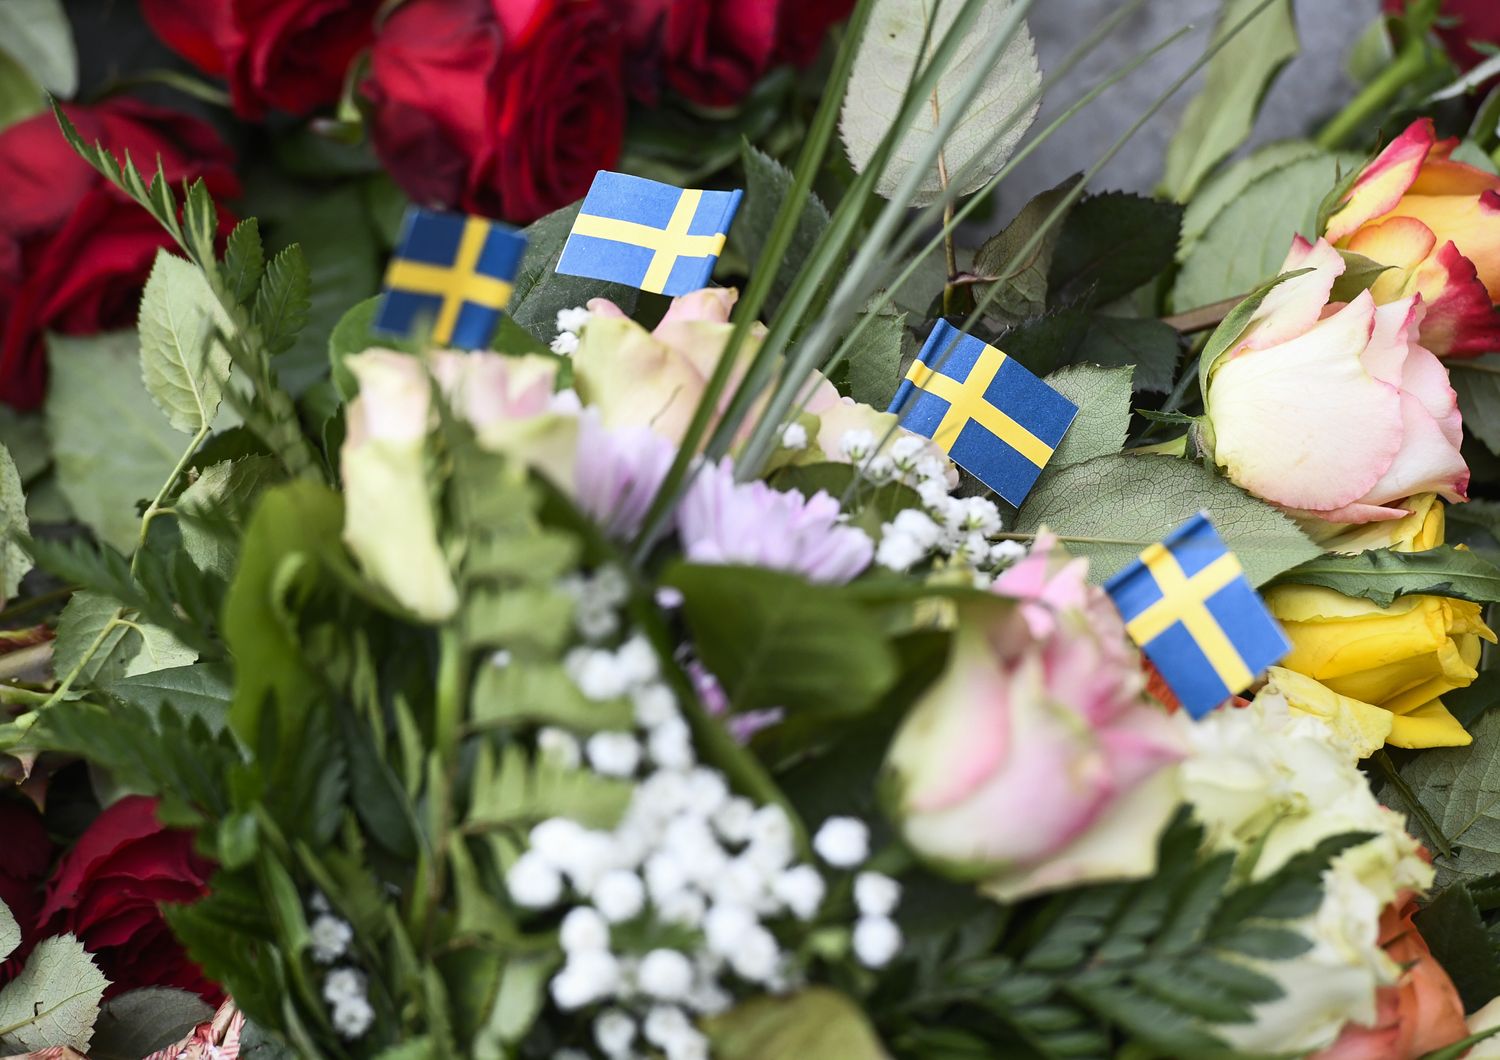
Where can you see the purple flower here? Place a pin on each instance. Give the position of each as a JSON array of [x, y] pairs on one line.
[[722, 521], [711, 694], [617, 473]]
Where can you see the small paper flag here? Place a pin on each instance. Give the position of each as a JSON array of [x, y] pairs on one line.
[[992, 416], [649, 235], [452, 271], [1188, 605]]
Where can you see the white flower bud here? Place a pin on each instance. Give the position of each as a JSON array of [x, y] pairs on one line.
[[794, 436], [665, 1023], [533, 882], [733, 819], [343, 984], [843, 842], [684, 907], [757, 957], [876, 894], [856, 445], [801, 889], [654, 705], [671, 745], [637, 659], [330, 938], [614, 1033], [615, 754], [619, 895], [726, 927], [707, 791], [559, 747], [665, 876], [352, 1017], [588, 976], [583, 929], [565, 344], [666, 975], [573, 319], [876, 940]]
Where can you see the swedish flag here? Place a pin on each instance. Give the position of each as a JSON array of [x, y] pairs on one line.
[[452, 271], [1188, 605], [648, 235], [991, 415]]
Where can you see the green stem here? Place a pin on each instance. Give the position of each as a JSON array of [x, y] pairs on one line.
[[447, 738], [1409, 64], [31, 603], [155, 507], [12, 694], [1076, 539]]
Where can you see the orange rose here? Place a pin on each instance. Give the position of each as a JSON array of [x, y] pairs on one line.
[[1422, 1012]]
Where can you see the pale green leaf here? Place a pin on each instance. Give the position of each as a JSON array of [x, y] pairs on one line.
[[217, 501], [1022, 281], [1247, 241], [10, 932], [55, 1000], [883, 68], [184, 368], [14, 560], [1477, 385], [111, 445], [20, 95], [1460, 788], [874, 365], [105, 644], [817, 1022], [540, 291], [767, 182], [1112, 507], [1229, 183], [37, 34], [1220, 117], [139, 1022], [202, 690], [1382, 576], [1103, 399]]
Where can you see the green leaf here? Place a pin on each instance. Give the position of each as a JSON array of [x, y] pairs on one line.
[[1249, 238], [1229, 183], [1359, 275], [1453, 929], [1023, 283], [105, 643], [874, 366], [1220, 117], [814, 1022], [15, 561], [887, 61], [1112, 507], [1110, 245], [212, 510], [20, 96], [184, 369], [284, 299], [202, 690], [55, 1000], [1103, 399], [139, 1022], [1233, 326], [1477, 384], [1460, 788], [774, 640], [244, 260], [36, 33], [10, 932], [1076, 336], [1383, 575], [540, 291], [767, 183], [523, 691], [110, 442], [512, 793]]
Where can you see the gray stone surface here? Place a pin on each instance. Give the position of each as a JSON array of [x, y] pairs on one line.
[[1310, 88]]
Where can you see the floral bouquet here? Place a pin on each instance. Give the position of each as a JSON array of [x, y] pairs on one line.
[[1074, 650]]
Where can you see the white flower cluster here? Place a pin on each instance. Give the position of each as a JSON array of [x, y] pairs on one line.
[[343, 987], [569, 323], [959, 528], [596, 601], [688, 860]]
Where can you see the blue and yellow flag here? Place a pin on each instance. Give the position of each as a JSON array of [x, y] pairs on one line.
[[648, 235], [1188, 605], [992, 416], [451, 272]]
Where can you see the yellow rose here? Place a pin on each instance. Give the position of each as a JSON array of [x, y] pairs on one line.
[[1417, 532], [1403, 657]]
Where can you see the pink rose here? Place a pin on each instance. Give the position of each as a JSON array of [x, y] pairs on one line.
[[1035, 762], [1334, 412]]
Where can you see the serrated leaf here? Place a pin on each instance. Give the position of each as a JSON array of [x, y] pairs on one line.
[[139, 1022], [874, 365], [1382, 575], [815, 1022], [1076, 336], [1022, 282], [767, 182], [1111, 507], [1452, 928], [1229, 183], [105, 645], [184, 369], [1103, 399], [540, 292], [1460, 788], [201, 690], [1477, 385], [1110, 245], [10, 932], [244, 259], [1220, 117], [37, 34], [1249, 238], [55, 1000], [514, 793], [883, 68], [216, 504], [110, 442], [15, 561], [283, 300]]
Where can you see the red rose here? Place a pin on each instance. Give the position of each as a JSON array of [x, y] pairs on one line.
[[288, 54], [108, 891], [804, 25], [1462, 24], [501, 107], [74, 251], [28, 856]]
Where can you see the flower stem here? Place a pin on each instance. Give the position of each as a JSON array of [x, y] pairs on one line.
[[1409, 64]]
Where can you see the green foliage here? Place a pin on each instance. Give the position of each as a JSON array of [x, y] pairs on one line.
[[185, 370], [1110, 245], [1382, 575], [54, 1001], [1477, 383], [1465, 939], [816, 1021], [14, 560], [244, 261], [1230, 182], [1074, 335], [1112, 507], [1155, 964], [1022, 286], [1103, 399], [540, 291], [873, 366], [511, 793], [202, 690], [767, 183], [10, 932], [139, 1022], [101, 641], [212, 510], [1220, 117], [283, 299], [36, 34], [774, 640]]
